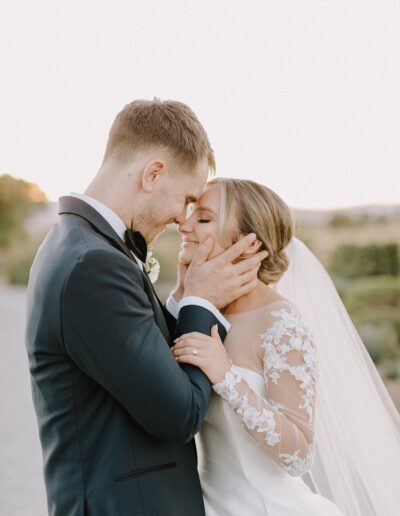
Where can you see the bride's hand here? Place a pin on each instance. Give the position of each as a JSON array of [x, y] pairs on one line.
[[205, 352]]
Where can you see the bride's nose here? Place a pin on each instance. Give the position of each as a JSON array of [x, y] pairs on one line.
[[185, 226]]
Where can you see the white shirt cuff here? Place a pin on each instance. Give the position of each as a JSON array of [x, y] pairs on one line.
[[172, 306], [199, 301]]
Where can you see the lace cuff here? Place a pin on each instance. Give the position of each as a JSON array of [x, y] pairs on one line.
[[233, 389], [226, 388]]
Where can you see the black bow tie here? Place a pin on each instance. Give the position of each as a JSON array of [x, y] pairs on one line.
[[137, 244]]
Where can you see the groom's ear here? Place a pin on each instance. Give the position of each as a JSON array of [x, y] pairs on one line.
[[153, 175]]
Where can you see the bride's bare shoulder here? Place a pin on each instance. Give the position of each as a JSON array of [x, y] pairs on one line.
[[269, 296]]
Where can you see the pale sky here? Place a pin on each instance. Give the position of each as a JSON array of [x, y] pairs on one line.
[[301, 95]]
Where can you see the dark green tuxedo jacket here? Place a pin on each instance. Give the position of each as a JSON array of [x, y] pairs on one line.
[[116, 413]]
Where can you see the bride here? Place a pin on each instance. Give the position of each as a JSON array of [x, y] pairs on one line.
[[298, 409]]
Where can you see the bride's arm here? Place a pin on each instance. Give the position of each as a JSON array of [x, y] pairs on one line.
[[282, 421]]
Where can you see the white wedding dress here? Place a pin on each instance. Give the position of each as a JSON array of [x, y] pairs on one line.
[[257, 439]]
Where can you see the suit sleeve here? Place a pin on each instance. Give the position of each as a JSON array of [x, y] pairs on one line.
[[110, 332]]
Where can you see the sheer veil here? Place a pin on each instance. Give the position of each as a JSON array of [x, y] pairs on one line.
[[357, 426]]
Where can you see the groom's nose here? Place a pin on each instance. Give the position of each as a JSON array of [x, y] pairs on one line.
[[180, 219]]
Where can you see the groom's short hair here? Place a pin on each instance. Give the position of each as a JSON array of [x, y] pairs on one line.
[[170, 124]]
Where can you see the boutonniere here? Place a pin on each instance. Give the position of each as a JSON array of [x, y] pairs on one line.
[[152, 267]]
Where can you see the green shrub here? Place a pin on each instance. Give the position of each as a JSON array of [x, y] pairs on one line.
[[380, 293], [353, 261], [380, 338], [392, 372], [374, 305]]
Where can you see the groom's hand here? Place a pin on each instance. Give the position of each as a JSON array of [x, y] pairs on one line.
[[179, 289], [220, 280]]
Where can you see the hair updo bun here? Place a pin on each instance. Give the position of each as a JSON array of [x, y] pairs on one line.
[[272, 269], [248, 207]]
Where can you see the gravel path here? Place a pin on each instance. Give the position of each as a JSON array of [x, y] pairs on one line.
[[21, 483]]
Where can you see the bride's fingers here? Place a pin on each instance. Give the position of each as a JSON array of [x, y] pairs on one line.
[[190, 342], [190, 359], [191, 335], [187, 351]]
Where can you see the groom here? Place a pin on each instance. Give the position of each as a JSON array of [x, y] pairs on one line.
[[116, 413]]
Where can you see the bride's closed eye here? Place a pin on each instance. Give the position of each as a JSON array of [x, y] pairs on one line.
[[203, 221]]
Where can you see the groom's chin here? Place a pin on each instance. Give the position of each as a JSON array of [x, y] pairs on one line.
[[154, 237]]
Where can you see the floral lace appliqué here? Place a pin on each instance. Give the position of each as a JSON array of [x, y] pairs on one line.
[[262, 421], [294, 464], [288, 350], [289, 333]]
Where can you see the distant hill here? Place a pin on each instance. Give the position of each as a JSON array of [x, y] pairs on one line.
[[48, 216], [319, 217]]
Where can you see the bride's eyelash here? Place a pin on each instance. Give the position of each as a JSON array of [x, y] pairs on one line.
[[203, 221]]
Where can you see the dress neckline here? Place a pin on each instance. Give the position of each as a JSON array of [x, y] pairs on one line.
[[258, 309]]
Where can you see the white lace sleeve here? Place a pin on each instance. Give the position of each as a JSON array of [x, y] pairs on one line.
[[282, 422]]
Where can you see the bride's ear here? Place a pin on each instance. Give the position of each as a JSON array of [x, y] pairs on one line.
[[253, 249]]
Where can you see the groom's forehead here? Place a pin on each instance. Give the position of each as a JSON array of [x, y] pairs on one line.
[[194, 182], [194, 191]]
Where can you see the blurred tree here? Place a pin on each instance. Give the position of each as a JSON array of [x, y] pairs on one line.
[[18, 199]]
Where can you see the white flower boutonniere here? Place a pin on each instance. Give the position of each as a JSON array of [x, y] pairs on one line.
[[152, 266]]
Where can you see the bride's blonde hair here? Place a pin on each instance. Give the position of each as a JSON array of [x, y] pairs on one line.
[[248, 207]]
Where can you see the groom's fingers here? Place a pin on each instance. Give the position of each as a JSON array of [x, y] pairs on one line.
[[250, 263], [203, 252], [249, 276], [247, 288], [236, 250]]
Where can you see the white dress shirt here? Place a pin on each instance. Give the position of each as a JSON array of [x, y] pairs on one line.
[[119, 227]]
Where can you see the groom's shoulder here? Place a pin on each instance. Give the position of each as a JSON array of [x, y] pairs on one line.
[[101, 256], [76, 249]]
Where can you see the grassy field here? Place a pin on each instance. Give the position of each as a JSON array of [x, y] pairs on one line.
[[324, 239], [373, 301]]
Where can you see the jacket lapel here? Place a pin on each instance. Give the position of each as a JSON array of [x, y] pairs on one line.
[[74, 206]]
